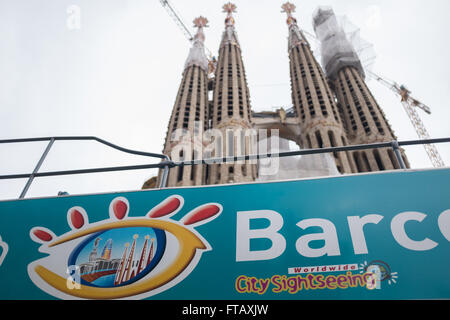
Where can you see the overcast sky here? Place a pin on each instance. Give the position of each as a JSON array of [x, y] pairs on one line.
[[117, 75]]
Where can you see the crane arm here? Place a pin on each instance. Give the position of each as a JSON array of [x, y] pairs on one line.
[[401, 91], [181, 25], [171, 11], [410, 105]]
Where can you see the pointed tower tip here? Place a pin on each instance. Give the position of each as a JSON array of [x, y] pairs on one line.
[[289, 8], [295, 35], [201, 22], [229, 8], [229, 36], [197, 53]]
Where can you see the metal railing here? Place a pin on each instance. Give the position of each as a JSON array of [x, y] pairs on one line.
[[51, 141], [166, 164]]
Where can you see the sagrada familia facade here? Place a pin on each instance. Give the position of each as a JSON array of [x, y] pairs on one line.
[[332, 107]]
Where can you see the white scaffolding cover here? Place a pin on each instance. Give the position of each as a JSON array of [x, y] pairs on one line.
[[340, 43], [197, 55]]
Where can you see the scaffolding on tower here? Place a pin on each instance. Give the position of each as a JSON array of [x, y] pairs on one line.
[[341, 45]]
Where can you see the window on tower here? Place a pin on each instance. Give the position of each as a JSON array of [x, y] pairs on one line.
[[376, 154], [366, 161], [308, 139], [319, 139], [393, 159], [244, 170], [180, 168]]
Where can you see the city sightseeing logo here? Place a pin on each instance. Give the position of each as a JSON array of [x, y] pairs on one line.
[[371, 276], [121, 257]]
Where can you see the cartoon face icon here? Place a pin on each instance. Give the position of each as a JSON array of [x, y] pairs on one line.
[[384, 269], [3, 250], [121, 257]]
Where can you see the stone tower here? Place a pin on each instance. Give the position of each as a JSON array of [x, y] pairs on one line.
[[189, 115], [231, 112], [363, 118], [319, 119]]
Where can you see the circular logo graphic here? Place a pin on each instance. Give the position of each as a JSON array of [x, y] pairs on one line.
[[119, 256]]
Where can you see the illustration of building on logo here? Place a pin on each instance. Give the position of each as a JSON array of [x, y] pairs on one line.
[[124, 268], [129, 267]]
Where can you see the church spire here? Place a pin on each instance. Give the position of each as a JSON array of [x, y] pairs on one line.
[[189, 114], [231, 111], [312, 98], [295, 34], [197, 54]]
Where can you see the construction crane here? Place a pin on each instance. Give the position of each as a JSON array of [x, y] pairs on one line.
[[410, 105], [182, 26]]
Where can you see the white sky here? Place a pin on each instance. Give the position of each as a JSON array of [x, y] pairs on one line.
[[117, 76]]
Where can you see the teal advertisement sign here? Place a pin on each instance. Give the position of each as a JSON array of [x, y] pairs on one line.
[[373, 236]]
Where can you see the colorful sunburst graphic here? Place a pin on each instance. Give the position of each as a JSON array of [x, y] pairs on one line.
[[142, 255], [386, 273]]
